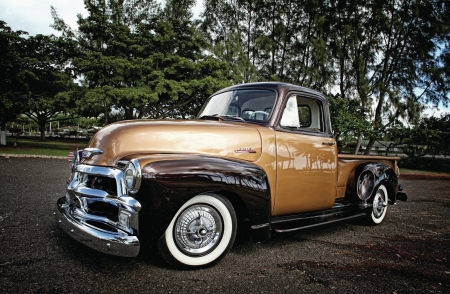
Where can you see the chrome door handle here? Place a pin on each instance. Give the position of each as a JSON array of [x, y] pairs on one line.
[[329, 143]]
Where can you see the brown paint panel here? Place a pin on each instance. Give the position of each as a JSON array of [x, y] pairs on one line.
[[168, 182]]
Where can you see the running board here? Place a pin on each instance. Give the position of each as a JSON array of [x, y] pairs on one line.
[[356, 216], [339, 212]]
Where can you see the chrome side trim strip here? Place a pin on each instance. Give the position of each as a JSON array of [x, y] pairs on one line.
[[260, 226]]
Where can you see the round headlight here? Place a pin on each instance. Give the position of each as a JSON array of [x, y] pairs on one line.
[[130, 176]]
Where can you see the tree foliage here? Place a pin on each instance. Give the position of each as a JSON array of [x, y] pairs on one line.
[[141, 59], [347, 120], [48, 87], [33, 79], [12, 74], [429, 137], [388, 56], [378, 60]]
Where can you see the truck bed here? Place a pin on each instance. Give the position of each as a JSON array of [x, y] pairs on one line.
[[348, 162]]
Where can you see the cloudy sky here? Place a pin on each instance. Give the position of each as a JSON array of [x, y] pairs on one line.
[[33, 16]]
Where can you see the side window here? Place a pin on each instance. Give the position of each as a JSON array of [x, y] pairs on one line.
[[304, 111], [303, 114]]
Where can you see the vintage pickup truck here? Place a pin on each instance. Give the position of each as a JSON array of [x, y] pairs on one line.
[[261, 154]]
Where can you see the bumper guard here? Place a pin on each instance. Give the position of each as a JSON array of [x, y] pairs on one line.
[[115, 242]]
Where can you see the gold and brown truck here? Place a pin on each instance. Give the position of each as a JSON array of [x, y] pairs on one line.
[[261, 154]]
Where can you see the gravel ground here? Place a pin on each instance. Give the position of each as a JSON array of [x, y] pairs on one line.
[[408, 253]]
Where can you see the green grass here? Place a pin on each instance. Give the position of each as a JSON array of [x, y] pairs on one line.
[[32, 146], [408, 170]]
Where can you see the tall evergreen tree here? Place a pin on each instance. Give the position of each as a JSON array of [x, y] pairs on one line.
[[386, 56], [141, 59]]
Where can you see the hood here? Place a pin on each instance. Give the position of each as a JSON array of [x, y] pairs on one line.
[[214, 138]]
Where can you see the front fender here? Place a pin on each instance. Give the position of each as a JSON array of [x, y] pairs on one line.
[[169, 181]]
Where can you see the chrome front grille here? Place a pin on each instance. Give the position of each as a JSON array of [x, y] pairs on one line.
[[98, 195], [102, 183]]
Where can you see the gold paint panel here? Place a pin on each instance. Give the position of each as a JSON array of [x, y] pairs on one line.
[[307, 173], [199, 137]]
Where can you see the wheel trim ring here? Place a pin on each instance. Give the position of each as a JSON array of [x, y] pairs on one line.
[[378, 209], [373, 217], [218, 250], [181, 240]]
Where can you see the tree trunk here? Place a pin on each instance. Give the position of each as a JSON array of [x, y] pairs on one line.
[[106, 115], [369, 146], [42, 130], [358, 145]]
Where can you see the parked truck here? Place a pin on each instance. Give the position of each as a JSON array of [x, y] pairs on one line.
[[258, 154]]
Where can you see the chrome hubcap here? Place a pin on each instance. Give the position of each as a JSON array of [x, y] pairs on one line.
[[379, 204], [198, 229]]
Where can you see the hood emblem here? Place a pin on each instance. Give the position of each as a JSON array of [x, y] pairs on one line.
[[89, 152], [244, 150]]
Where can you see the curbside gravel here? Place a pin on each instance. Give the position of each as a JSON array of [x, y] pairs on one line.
[[31, 156]]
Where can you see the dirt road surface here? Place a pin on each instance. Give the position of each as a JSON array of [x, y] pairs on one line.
[[408, 253]]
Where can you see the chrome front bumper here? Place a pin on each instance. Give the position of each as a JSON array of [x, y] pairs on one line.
[[114, 242], [102, 216]]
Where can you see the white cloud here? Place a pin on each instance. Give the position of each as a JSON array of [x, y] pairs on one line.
[[34, 17], [432, 110], [199, 7]]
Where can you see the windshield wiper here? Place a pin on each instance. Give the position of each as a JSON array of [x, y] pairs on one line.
[[223, 117], [206, 116], [231, 117]]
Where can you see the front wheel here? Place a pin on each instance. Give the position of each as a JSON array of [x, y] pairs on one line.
[[201, 232], [379, 206]]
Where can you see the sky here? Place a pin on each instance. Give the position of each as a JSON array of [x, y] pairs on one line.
[[34, 17]]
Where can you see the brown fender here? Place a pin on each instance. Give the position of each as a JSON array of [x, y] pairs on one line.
[[168, 183]]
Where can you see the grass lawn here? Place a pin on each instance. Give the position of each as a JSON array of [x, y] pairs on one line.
[[32, 146], [407, 170]]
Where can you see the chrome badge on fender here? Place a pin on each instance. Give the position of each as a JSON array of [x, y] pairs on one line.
[[245, 150]]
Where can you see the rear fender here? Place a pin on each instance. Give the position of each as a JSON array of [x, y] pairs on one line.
[[378, 174]]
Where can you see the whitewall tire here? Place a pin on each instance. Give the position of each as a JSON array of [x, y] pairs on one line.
[[379, 206], [201, 232]]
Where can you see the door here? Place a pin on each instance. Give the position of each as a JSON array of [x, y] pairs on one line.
[[306, 158]]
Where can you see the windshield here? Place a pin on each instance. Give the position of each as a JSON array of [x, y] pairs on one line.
[[252, 105]]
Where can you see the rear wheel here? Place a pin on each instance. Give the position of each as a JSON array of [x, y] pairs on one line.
[[379, 206], [201, 233]]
